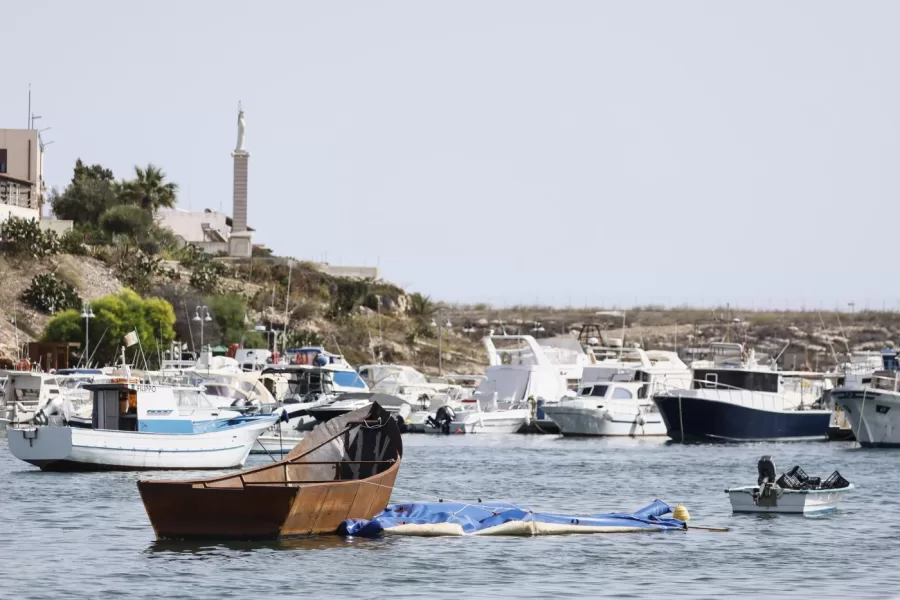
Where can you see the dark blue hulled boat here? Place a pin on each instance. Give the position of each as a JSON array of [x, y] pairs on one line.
[[735, 398]]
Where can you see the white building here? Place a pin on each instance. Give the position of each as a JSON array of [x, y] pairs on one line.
[[209, 230]]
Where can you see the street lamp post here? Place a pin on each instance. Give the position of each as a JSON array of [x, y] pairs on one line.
[[205, 318], [87, 313], [440, 324]]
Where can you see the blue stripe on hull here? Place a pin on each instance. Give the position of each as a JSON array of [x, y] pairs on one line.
[[709, 420]]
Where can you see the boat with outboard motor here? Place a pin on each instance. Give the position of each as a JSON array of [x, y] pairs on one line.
[[136, 426], [736, 397], [343, 469], [794, 492]]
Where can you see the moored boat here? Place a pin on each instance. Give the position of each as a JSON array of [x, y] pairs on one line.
[[735, 397], [136, 427], [607, 409], [873, 407], [343, 469]]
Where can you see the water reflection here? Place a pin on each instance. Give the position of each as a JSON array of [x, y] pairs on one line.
[[216, 548]]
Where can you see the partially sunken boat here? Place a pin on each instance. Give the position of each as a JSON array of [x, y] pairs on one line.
[[343, 469]]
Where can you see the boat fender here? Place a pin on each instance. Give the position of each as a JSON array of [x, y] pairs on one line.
[[640, 420], [608, 416], [681, 513]]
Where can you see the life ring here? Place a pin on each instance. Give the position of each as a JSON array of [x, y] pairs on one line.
[[24, 365]]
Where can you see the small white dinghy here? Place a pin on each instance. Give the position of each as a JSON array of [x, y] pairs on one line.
[[792, 493]]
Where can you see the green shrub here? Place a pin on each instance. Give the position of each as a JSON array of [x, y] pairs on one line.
[[49, 294], [24, 237]]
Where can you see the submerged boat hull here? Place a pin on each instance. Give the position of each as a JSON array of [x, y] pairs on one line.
[[707, 419], [343, 469], [796, 502], [80, 449], [874, 415]]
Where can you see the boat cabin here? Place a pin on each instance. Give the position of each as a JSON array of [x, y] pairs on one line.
[[126, 405], [742, 379]]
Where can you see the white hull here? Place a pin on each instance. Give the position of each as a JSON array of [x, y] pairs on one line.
[[874, 415], [792, 502], [273, 444], [600, 422], [501, 421], [68, 448]]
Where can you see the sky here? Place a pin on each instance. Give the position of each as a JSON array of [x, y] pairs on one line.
[[560, 153]]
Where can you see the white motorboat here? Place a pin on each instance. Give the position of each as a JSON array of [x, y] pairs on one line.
[[136, 427], [873, 408], [475, 418], [792, 493], [519, 369], [607, 409], [308, 387]]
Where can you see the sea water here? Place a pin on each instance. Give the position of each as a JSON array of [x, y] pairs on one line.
[[86, 535]]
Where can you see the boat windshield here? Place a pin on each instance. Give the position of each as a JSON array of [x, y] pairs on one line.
[[193, 399], [594, 390], [349, 379], [224, 391]]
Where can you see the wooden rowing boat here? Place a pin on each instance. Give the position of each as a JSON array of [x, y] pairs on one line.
[[343, 469]]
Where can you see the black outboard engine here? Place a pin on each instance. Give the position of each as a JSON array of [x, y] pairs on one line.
[[442, 419], [766, 469]]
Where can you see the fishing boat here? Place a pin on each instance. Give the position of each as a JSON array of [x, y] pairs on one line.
[[136, 426], [873, 405], [794, 492], [343, 469], [738, 397]]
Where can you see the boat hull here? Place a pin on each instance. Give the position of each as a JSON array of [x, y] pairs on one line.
[[796, 502], [706, 419], [874, 415], [574, 421], [504, 421], [71, 448]]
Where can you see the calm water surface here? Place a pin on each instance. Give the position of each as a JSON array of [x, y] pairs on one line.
[[87, 535]]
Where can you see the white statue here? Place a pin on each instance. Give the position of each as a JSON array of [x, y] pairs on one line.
[[242, 127]]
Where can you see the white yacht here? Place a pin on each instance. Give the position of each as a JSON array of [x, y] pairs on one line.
[[609, 408], [518, 380]]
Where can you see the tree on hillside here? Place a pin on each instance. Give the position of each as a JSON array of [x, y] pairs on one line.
[[149, 189], [421, 307], [91, 193], [115, 316]]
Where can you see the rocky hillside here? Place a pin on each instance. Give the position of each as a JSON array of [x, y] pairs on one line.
[[372, 321]]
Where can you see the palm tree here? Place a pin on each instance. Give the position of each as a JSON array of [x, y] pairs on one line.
[[421, 307], [149, 190]]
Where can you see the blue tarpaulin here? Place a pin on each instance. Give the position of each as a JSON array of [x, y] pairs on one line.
[[501, 518]]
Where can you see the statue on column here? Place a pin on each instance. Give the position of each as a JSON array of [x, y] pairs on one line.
[[242, 127]]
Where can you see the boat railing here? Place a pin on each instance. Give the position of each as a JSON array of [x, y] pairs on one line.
[[752, 398]]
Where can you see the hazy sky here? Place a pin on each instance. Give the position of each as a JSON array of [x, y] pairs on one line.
[[504, 151]]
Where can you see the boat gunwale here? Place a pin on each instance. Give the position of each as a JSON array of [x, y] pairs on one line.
[[751, 488], [351, 425]]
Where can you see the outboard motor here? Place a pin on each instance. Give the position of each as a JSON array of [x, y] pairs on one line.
[[766, 481], [442, 419]]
